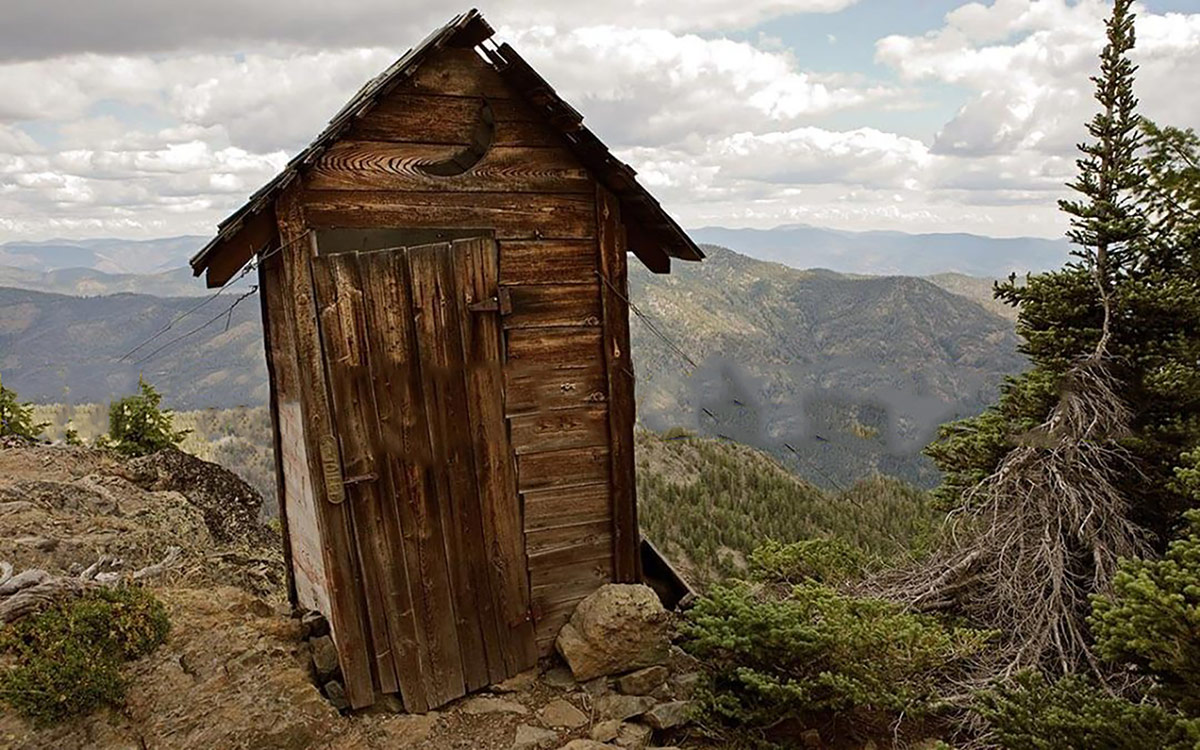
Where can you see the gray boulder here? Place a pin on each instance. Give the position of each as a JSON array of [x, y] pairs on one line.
[[617, 628]]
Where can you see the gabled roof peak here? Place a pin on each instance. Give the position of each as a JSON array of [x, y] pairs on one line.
[[654, 236]]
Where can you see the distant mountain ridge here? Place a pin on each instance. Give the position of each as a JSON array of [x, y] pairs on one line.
[[838, 376], [107, 254], [891, 253]]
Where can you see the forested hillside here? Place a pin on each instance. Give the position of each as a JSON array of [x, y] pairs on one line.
[[840, 377]]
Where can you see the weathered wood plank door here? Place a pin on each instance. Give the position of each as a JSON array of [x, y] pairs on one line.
[[412, 342]]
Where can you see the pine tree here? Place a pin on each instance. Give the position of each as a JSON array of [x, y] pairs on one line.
[[1084, 454], [1106, 220]]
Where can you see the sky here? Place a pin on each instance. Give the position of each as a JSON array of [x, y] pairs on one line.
[[139, 118]]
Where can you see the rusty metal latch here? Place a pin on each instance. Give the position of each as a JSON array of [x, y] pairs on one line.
[[501, 303], [371, 477]]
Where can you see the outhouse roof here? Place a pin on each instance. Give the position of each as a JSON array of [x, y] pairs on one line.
[[251, 228]]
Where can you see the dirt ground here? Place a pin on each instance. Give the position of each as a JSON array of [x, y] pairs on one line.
[[234, 672]]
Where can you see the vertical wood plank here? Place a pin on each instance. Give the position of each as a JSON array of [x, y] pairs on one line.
[[477, 269], [613, 270], [343, 579], [339, 305], [404, 434], [439, 346]]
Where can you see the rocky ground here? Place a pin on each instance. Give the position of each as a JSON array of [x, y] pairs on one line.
[[235, 671]]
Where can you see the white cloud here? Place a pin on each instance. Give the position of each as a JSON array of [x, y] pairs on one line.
[[49, 28]]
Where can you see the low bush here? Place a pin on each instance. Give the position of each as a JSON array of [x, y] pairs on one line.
[[778, 653], [1033, 713], [830, 561], [66, 661]]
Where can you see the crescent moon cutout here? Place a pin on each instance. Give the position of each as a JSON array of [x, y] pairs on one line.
[[482, 136]]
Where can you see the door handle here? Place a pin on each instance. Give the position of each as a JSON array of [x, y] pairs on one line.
[[501, 303]]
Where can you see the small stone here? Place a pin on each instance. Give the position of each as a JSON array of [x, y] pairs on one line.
[[324, 658], [411, 729], [282, 609], [668, 715], [685, 684], [634, 736], [617, 706], [605, 731], [585, 745], [596, 687], [313, 624], [811, 738], [560, 713], [260, 608], [336, 695], [643, 681], [385, 704], [483, 704], [517, 683], [663, 693], [529, 738], [559, 677], [869, 745]]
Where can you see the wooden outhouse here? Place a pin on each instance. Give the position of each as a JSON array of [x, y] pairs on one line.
[[443, 279]]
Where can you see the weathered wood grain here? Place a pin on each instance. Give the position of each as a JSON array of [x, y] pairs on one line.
[[378, 165], [559, 506], [559, 429], [457, 71], [564, 468], [339, 303], [439, 340], [548, 262], [345, 616], [621, 399], [548, 390], [510, 215], [543, 349], [547, 306], [477, 270], [586, 533], [416, 118], [405, 437]]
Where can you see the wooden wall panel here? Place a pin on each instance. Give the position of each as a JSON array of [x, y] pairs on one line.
[[559, 429], [546, 349], [549, 306], [509, 215], [548, 262], [613, 271], [421, 118], [460, 72], [533, 391]]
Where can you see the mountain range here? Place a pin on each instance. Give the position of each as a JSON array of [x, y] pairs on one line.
[[891, 253], [838, 376]]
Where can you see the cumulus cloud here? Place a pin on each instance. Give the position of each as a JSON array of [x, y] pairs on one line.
[[50, 28]]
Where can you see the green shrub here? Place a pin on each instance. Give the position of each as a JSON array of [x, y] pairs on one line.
[[829, 561], [17, 418], [66, 661], [1151, 620], [776, 655], [1033, 714], [138, 425]]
